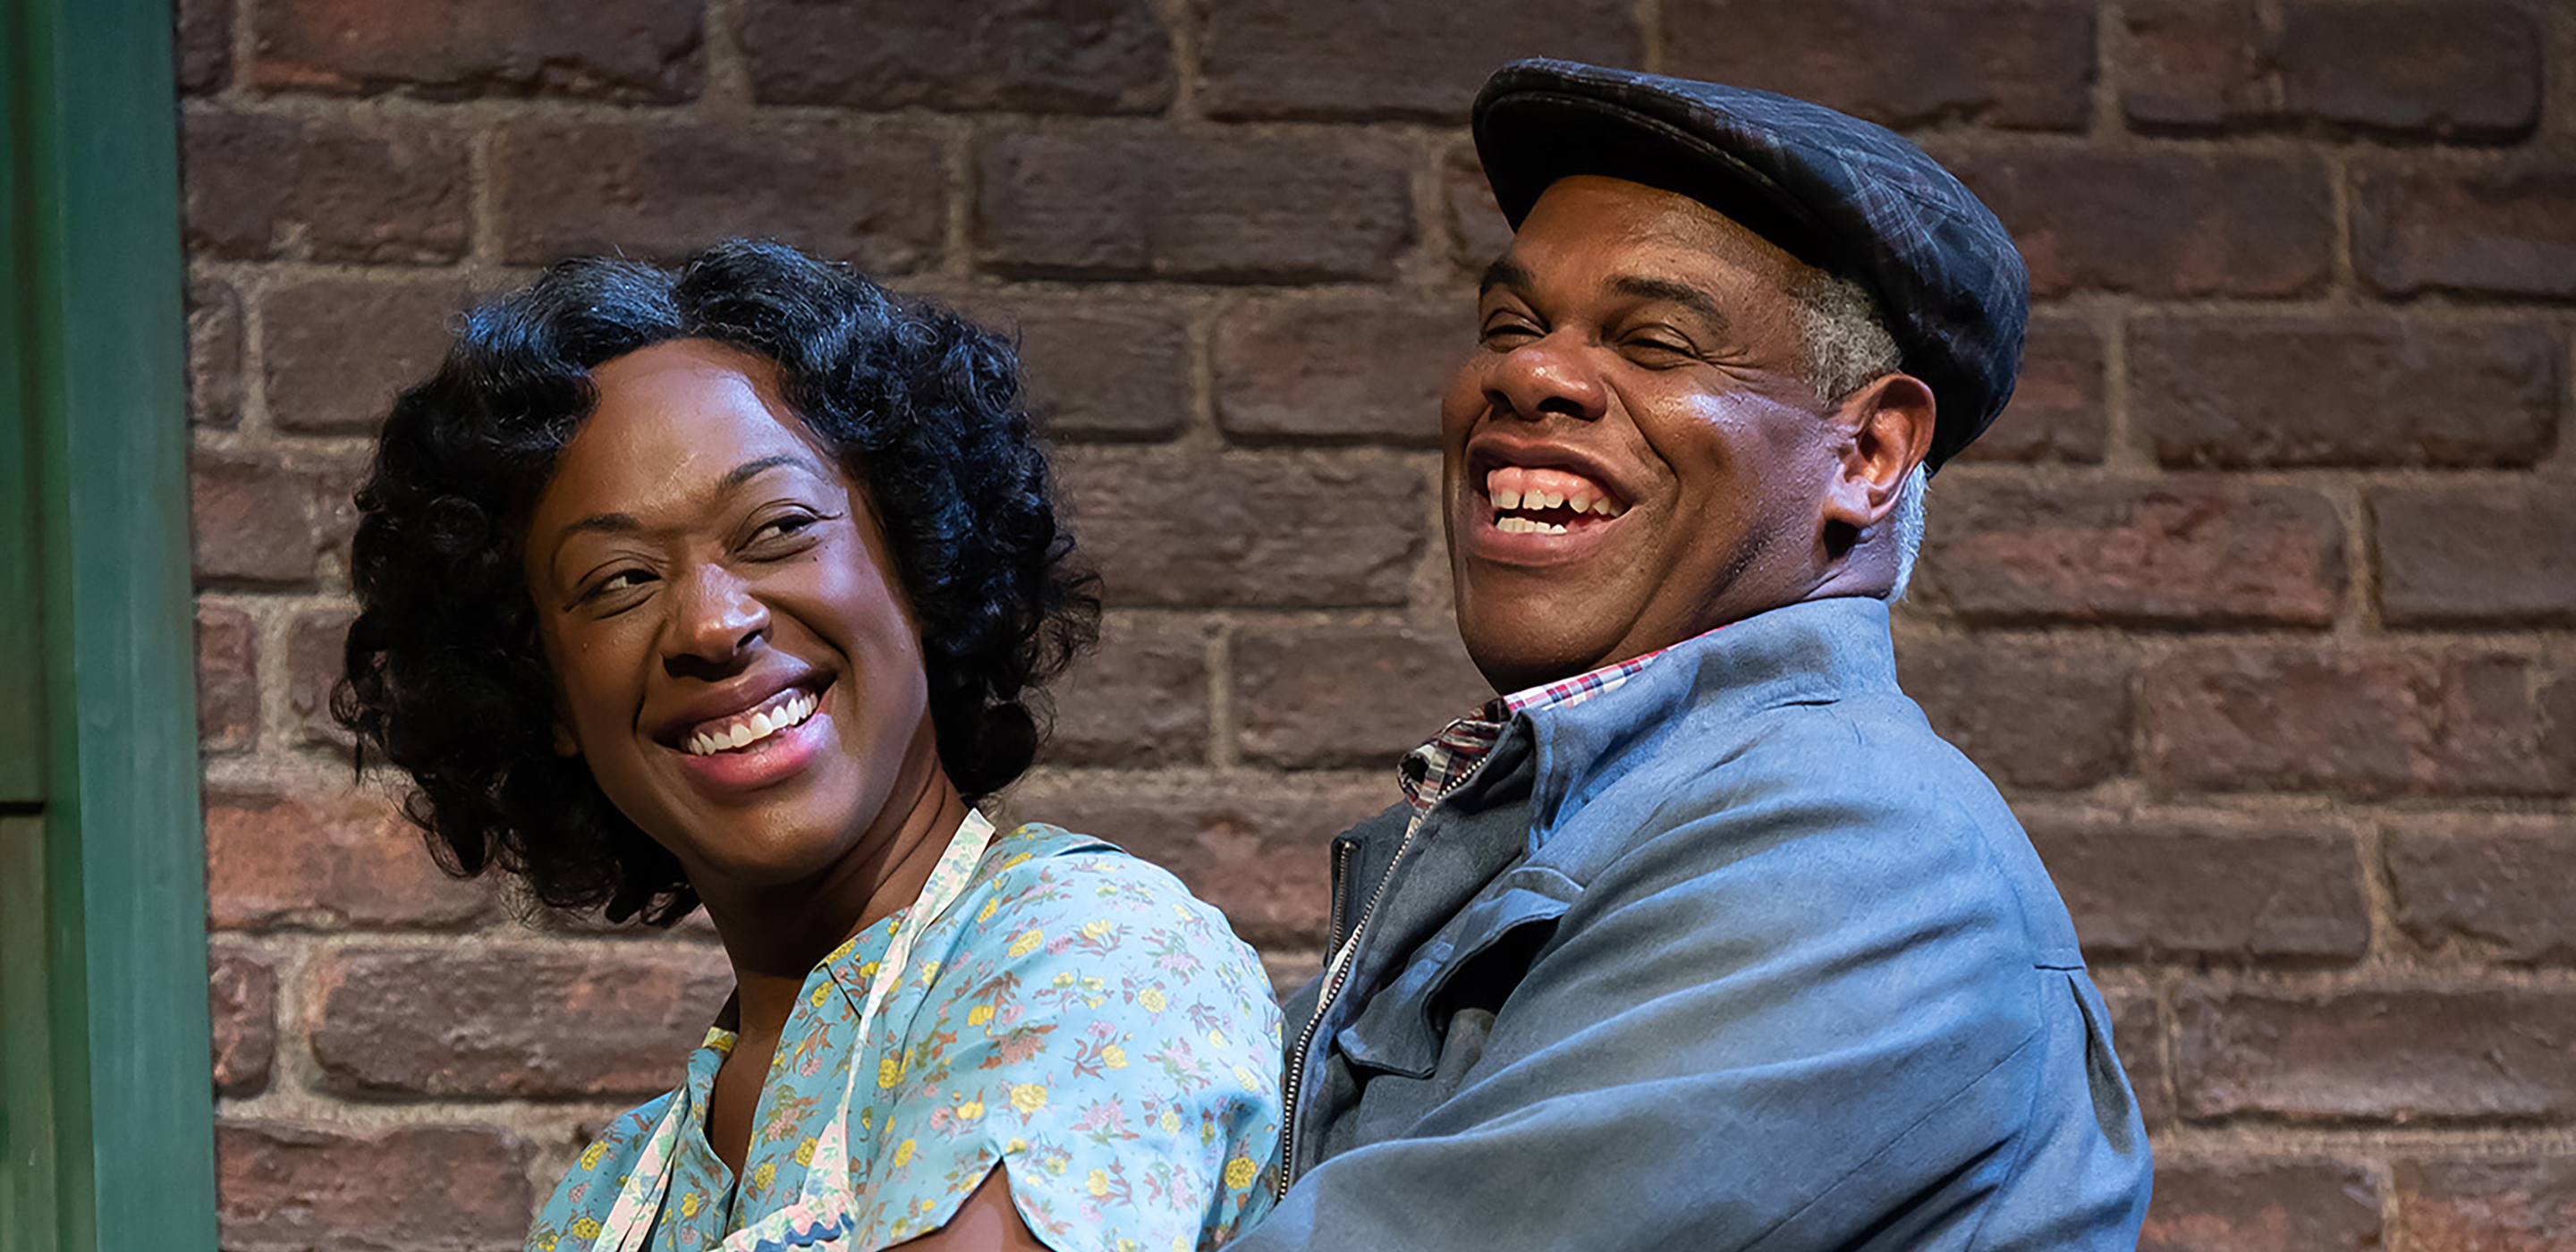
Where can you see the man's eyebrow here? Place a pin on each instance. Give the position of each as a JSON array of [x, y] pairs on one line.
[[1665, 289], [1504, 272]]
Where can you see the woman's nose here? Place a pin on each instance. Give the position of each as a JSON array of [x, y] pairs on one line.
[[718, 617], [1544, 377]]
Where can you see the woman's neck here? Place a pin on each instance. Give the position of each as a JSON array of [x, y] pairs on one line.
[[776, 935]]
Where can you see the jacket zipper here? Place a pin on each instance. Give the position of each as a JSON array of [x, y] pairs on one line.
[[1341, 864], [1296, 1075]]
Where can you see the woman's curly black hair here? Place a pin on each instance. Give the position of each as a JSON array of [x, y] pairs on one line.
[[445, 675]]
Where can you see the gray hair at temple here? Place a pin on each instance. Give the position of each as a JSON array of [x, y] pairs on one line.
[[1848, 346]]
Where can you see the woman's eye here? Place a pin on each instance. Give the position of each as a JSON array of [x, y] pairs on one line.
[[622, 580], [783, 527]]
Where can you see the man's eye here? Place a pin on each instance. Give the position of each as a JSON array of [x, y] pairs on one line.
[[1501, 333], [1659, 350]]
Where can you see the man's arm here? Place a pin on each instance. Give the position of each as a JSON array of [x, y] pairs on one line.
[[1784, 1025]]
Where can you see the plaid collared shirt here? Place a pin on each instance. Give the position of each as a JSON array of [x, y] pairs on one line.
[[1430, 771]]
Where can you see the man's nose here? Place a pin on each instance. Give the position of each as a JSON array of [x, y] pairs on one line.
[[717, 618], [1549, 376]]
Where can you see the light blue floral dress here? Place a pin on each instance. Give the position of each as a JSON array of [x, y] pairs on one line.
[[1076, 1014]]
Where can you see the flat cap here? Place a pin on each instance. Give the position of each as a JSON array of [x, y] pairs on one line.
[[1836, 192]]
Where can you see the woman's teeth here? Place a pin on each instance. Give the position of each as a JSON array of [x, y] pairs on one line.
[[744, 729]]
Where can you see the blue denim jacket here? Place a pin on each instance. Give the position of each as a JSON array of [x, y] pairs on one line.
[[1738, 955]]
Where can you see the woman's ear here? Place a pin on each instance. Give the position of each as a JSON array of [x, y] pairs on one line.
[[565, 744], [1886, 430]]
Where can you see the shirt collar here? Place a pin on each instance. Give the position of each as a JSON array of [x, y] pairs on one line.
[[1447, 758]]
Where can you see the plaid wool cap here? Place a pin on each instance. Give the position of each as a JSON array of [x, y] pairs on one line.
[[1838, 193]]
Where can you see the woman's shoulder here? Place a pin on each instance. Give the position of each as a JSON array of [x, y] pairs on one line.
[[1037, 868], [1048, 902], [581, 1201]]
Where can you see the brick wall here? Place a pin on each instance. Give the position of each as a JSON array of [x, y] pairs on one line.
[[2261, 603]]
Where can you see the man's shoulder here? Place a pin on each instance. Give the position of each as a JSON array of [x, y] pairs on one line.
[[1835, 800]]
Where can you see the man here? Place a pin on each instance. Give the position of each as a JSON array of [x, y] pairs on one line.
[[1703, 939]]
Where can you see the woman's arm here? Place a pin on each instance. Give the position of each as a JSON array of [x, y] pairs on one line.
[[986, 1222]]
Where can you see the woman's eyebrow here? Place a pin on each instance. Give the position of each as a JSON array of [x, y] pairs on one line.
[[752, 469], [628, 523]]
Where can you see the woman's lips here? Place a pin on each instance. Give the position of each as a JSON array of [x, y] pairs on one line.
[[765, 762]]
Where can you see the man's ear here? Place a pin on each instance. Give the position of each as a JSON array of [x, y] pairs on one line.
[[1884, 430]]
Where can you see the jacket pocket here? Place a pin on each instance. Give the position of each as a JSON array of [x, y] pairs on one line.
[[1472, 964]]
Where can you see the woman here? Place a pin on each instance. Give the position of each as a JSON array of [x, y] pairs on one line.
[[732, 585]]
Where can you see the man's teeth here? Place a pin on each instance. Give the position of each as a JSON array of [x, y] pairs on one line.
[[746, 729], [1523, 525], [1512, 487]]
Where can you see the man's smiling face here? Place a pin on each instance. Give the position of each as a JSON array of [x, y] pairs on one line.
[[1633, 455]]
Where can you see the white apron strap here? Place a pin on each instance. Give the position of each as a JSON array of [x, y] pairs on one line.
[[821, 1214]]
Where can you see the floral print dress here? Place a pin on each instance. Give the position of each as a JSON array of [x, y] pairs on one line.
[[1076, 1014]]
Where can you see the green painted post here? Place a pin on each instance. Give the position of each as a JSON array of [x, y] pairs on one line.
[[106, 1103]]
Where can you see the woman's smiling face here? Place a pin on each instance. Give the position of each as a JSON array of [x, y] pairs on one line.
[[733, 656]]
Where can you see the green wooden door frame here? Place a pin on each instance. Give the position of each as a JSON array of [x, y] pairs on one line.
[[106, 1095]]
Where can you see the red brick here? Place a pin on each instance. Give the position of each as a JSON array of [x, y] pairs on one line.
[[2454, 69], [2031, 714], [2494, 886], [285, 1188], [2175, 551], [314, 652], [204, 36], [2502, 555], [1339, 369], [214, 354], [2369, 390], [2487, 1205], [1135, 200], [2137, 1033], [2026, 64], [2504, 228], [2260, 1205], [2376, 722], [871, 195], [1172, 529], [326, 859], [627, 50], [227, 679], [1054, 56], [1258, 848], [242, 1000], [254, 518], [1476, 230], [1098, 368], [2162, 223], [1140, 700], [1348, 695], [2057, 411], [334, 351], [1367, 58], [2379, 1055], [475, 1019], [1291, 968], [2156, 887], [2558, 723], [336, 480], [340, 188]]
